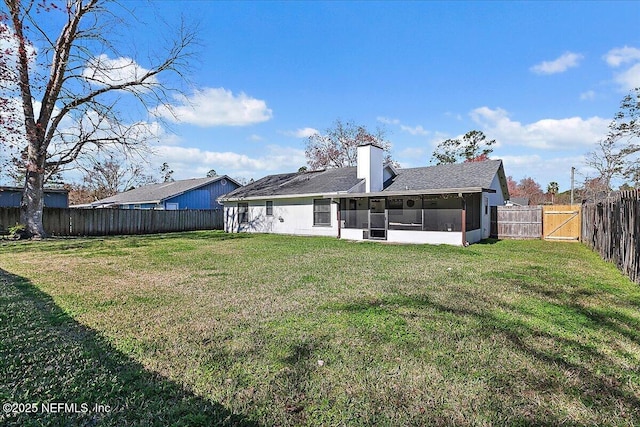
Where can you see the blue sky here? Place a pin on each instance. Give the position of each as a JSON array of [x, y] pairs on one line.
[[542, 78]]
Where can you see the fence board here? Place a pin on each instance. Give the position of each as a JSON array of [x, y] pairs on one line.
[[519, 222], [107, 222], [8, 218], [611, 227]]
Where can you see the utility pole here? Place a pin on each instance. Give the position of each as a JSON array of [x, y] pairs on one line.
[[573, 170]]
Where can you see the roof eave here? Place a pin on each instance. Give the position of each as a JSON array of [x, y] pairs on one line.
[[280, 196], [437, 191]]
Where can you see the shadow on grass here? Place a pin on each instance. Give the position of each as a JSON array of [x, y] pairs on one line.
[[57, 243], [47, 357], [568, 367]]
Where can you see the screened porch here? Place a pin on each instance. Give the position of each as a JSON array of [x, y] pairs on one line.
[[442, 213]]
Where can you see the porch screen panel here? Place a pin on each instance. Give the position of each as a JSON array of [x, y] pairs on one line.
[[355, 213], [405, 213], [444, 214], [473, 211]]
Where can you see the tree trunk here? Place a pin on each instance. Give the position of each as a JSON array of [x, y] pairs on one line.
[[32, 204]]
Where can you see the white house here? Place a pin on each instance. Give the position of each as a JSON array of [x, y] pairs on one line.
[[445, 204]]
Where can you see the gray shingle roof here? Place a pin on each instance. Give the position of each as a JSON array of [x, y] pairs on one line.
[[158, 192], [315, 182], [476, 175], [458, 175]]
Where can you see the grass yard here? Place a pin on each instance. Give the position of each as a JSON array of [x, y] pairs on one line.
[[214, 329]]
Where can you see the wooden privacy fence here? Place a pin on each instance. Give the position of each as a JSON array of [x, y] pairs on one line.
[[107, 222], [611, 227], [517, 222], [554, 222]]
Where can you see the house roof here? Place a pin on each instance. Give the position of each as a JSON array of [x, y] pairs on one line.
[[46, 190], [520, 201], [300, 183], [156, 193], [460, 177]]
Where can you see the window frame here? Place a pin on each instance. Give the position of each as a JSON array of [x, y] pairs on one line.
[[317, 203], [269, 207]]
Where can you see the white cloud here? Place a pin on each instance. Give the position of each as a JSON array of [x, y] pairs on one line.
[[412, 153], [587, 96], [104, 71], [254, 137], [629, 79], [543, 169], [416, 130], [560, 65], [453, 115], [413, 130], [622, 55], [546, 134], [387, 120], [301, 133], [216, 107], [194, 162]]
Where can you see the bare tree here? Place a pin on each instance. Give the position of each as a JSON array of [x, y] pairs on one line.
[[608, 160], [112, 175], [615, 157], [472, 147], [62, 89], [338, 147]]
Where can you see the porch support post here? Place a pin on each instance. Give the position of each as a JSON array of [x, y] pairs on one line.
[[464, 222], [339, 223]]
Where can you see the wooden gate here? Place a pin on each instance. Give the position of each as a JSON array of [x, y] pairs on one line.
[[561, 222]]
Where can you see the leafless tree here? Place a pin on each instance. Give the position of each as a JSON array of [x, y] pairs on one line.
[[62, 90], [616, 156], [112, 175], [338, 146]]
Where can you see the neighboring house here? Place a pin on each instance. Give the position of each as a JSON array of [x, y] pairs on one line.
[[197, 193], [447, 204], [10, 197], [518, 201]]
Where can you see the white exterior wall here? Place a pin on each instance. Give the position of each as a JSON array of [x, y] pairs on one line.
[[489, 199], [475, 236], [290, 216], [408, 236]]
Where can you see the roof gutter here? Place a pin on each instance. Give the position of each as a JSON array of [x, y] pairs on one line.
[[280, 196], [415, 192]]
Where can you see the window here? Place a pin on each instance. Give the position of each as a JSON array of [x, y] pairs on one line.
[[243, 213], [322, 212], [269, 208]]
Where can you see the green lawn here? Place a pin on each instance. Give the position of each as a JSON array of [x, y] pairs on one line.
[[208, 328]]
